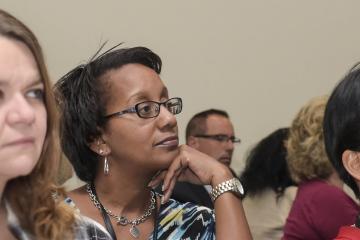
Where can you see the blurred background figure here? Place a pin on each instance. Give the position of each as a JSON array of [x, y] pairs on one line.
[[269, 190], [342, 138], [321, 206], [212, 133]]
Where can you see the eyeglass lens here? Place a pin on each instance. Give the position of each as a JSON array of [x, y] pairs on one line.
[[151, 109]]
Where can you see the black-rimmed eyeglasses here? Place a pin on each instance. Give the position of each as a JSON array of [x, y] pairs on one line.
[[220, 138], [151, 109]]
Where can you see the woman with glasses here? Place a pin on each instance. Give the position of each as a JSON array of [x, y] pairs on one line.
[[120, 133]]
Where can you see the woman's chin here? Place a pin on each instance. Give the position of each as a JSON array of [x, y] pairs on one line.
[[19, 167], [166, 159]]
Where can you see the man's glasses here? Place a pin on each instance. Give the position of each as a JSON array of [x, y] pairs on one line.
[[220, 138], [151, 109]]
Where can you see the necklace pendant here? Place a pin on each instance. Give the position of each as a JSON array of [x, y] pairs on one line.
[[122, 220], [134, 231]]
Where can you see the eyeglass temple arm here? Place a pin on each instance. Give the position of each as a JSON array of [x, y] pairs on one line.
[[129, 110]]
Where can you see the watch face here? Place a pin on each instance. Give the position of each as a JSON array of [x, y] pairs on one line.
[[239, 186]]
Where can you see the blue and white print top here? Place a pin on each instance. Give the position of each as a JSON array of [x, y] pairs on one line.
[[176, 221], [185, 221]]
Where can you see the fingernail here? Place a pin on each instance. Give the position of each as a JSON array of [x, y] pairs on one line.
[[162, 188], [149, 184], [162, 199]]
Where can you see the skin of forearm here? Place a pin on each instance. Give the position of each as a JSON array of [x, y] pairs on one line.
[[230, 216]]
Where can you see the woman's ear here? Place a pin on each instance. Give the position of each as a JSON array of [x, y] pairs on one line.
[[100, 147], [351, 162]]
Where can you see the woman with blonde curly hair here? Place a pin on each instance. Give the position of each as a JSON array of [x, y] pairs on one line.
[[320, 196], [28, 146]]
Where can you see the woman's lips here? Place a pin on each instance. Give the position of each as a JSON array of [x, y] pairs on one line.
[[172, 141], [20, 142], [225, 160]]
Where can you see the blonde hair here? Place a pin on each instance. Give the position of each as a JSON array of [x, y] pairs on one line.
[[31, 196], [306, 155]]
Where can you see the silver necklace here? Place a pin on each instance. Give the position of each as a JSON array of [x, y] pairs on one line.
[[122, 220]]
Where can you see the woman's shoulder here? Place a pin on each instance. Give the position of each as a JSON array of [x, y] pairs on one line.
[[323, 197], [75, 198], [14, 224], [317, 188], [85, 227]]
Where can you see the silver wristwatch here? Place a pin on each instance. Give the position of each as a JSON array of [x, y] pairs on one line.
[[232, 185]]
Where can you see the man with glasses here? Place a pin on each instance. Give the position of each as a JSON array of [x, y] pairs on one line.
[[212, 133]]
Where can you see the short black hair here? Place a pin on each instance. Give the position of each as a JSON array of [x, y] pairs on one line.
[[266, 165], [197, 125], [342, 123], [82, 97]]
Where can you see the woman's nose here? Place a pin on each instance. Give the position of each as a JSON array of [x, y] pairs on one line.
[[166, 118], [20, 111]]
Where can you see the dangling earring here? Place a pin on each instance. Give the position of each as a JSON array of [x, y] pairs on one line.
[[106, 163], [106, 166]]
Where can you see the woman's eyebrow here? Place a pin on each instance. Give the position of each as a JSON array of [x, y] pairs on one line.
[[139, 96], [31, 84], [142, 96], [35, 82]]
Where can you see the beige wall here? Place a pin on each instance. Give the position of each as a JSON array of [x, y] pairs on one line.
[[259, 60]]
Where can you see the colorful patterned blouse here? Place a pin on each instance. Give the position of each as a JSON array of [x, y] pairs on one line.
[[185, 221], [178, 221]]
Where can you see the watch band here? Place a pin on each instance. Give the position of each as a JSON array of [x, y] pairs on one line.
[[232, 185]]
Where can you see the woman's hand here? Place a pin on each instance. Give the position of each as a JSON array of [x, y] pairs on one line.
[[191, 166], [195, 167]]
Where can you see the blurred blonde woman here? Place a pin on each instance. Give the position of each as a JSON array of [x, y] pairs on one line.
[[28, 149], [320, 196]]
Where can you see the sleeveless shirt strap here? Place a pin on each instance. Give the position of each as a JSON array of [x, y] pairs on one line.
[[106, 218], [156, 219]]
